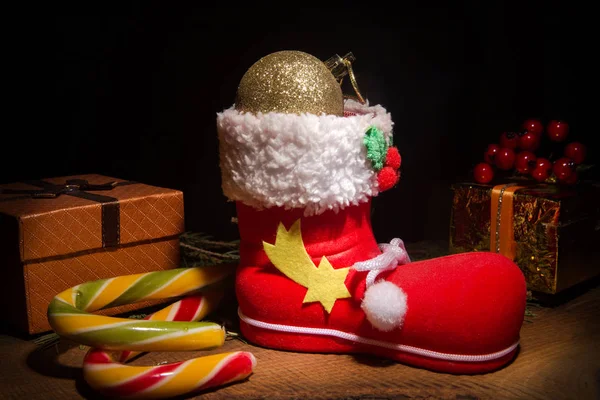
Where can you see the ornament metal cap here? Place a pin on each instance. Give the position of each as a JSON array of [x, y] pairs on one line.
[[342, 66]]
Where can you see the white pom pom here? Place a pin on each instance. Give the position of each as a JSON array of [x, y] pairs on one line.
[[385, 306]]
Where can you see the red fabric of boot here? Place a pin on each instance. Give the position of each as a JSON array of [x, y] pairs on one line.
[[312, 277], [464, 311]]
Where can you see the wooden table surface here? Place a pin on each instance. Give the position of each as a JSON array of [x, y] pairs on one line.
[[559, 358]]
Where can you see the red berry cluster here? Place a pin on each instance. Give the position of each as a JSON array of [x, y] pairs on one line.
[[388, 176], [515, 151]]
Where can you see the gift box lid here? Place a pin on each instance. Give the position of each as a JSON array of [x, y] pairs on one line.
[[66, 215], [575, 202]]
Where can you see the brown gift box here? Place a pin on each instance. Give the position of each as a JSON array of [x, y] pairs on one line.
[[57, 233], [555, 229]]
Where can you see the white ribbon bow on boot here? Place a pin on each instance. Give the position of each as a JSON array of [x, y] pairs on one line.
[[394, 254]]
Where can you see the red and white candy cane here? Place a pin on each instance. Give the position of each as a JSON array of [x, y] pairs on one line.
[[171, 329]]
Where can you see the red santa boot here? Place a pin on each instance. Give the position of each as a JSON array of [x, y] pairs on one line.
[[312, 277]]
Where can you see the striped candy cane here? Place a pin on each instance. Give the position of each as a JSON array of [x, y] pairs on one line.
[[114, 379], [191, 308], [170, 329]]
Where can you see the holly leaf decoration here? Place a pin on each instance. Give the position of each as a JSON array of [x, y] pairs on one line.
[[376, 147]]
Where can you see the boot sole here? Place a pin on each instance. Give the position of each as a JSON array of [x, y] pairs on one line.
[[320, 340]]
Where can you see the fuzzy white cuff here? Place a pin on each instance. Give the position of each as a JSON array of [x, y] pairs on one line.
[[308, 161]]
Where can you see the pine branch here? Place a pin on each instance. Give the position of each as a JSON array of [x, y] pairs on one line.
[[200, 249], [205, 241], [208, 252], [45, 341]]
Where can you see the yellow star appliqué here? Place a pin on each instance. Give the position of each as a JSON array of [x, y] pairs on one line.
[[325, 284]]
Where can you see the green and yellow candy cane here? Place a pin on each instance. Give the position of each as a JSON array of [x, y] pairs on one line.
[[171, 329]]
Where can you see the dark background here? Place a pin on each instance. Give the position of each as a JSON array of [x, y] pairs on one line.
[[131, 90]]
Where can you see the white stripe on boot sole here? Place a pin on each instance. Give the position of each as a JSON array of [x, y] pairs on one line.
[[379, 343]]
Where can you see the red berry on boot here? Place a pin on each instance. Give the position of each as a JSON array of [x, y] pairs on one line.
[[505, 159], [392, 158], [534, 126], [387, 178], [483, 173], [525, 161], [557, 131], [542, 170], [576, 152], [529, 141], [563, 168], [490, 153], [509, 140]]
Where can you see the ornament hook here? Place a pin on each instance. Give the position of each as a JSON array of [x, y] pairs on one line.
[[342, 66]]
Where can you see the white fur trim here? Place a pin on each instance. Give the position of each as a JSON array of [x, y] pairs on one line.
[[315, 162], [385, 305]]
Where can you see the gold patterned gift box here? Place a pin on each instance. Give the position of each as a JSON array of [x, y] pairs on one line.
[[552, 232]]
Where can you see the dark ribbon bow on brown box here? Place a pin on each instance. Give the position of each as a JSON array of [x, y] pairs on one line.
[[79, 188]]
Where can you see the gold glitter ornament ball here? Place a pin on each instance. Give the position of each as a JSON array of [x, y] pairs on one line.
[[290, 82]]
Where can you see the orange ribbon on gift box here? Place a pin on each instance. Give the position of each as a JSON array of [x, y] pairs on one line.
[[502, 238]]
